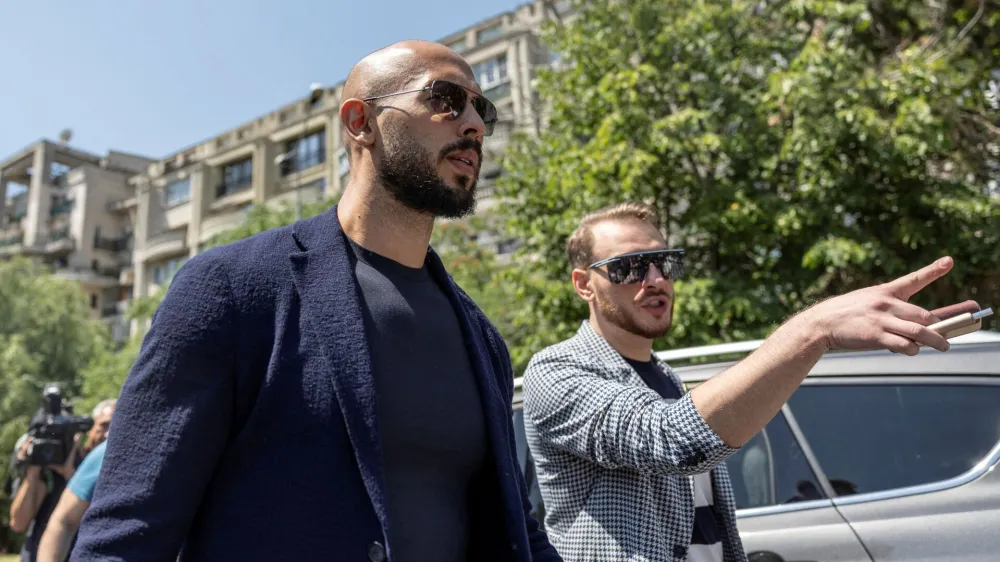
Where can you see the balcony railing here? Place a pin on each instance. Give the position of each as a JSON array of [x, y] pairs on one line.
[[223, 189], [85, 273], [12, 240], [61, 208], [111, 244], [59, 234]]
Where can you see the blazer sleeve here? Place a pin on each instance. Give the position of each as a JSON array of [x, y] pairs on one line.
[[170, 425], [575, 409], [541, 549]]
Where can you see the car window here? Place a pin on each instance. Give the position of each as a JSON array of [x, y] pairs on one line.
[[771, 469], [874, 437]]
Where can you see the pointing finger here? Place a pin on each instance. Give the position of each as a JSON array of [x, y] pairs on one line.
[[911, 283]]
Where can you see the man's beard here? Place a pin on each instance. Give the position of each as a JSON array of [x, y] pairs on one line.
[[408, 176], [615, 315]]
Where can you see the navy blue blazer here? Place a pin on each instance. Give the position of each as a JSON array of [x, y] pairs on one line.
[[247, 430]]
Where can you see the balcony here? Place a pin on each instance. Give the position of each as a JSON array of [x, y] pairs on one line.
[[123, 204], [59, 240], [98, 277], [61, 208], [168, 243], [11, 242], [119, 244]]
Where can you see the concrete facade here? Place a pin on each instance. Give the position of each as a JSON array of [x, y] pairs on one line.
[[57, 206], [203, 190]]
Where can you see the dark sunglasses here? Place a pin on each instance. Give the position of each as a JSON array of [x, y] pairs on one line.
[[632, 268], [451, 98]]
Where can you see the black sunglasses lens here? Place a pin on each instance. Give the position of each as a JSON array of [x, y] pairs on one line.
[[632, 269], [671, 266], [626, 270], [452, 95], [487, 111], [456, 97]]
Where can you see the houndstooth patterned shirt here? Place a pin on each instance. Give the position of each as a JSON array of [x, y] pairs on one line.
[[613, 458]]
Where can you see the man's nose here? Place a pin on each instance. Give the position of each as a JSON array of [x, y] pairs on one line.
[[472, 123], [654, 276]]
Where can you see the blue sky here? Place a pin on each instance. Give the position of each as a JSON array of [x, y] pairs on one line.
[[152, 77]]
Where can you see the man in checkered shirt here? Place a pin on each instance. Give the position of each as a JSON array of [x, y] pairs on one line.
[[631, 468]]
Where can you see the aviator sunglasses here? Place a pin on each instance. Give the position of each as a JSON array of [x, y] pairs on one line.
[[631, 268], [450, 98]]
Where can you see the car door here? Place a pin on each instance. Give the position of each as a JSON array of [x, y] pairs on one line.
[[911, 459], [784, 508]]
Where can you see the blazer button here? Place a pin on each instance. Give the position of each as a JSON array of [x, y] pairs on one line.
[[680, 551], [376, 552]]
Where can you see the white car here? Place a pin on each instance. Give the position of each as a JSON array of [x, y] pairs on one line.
[[877, 457]]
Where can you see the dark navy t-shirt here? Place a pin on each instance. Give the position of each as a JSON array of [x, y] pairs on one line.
[[706, 523], [428, 408]]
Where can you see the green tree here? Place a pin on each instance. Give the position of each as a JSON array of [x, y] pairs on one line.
[[795, 149], [46, 335]]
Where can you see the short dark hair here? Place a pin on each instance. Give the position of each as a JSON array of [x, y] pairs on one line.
[[580, 246]]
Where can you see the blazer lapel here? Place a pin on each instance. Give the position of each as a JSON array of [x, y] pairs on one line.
[[331, 307]]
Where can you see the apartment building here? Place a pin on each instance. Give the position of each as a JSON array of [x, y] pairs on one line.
[[61, 207], [294, 155]]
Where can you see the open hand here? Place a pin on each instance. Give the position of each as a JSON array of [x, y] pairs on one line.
[[879, 317]]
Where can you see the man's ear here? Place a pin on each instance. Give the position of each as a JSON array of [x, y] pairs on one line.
[[359, 121], [581, 284]]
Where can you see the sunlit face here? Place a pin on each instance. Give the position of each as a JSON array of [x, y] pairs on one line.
[[102, 422], [431, 156], [645, 308]]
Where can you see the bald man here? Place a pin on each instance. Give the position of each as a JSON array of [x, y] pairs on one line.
[[323, 391]]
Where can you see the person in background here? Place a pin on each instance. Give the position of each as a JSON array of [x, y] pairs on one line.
[[631, 466], [37, 492], [57, 540]]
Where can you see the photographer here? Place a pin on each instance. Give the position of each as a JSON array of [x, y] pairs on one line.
[[40, 486]]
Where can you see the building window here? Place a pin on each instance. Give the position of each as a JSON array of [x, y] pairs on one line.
[[304, 153], [459, 46], [177, 192], [343, 166], [163, 272], [490, 33], [235, 177], [93, 300], [491, 72]]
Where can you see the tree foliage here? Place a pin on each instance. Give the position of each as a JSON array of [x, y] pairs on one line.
[[46, 335], [795, 149]]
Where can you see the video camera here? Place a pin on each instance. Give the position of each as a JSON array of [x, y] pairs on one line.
[[53, 428]]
